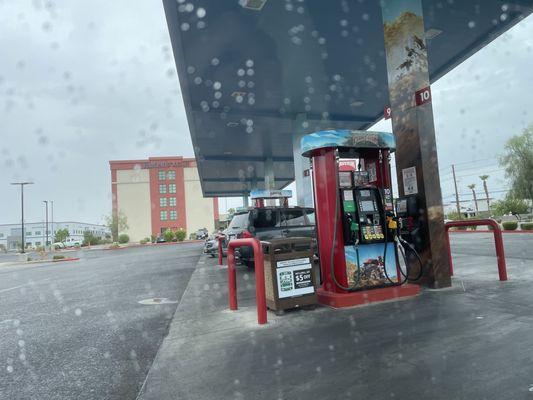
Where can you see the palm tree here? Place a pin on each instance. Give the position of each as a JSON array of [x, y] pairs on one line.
[[484, 179], [472, 187]]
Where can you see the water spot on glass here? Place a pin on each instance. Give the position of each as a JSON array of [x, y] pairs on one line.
[[241, 72], [249, 63], [217, 85], [503, 17], [300, 10], [201, 24], [215, 61], [191, 69], [296, 40], [198, 80], [200, 12], [185, 26], [239, 99], [9, 369], [365, 17]]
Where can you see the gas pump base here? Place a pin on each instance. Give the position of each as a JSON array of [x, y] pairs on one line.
[[363, 297]]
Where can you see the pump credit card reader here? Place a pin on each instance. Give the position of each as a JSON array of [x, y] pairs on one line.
[[363, 213]]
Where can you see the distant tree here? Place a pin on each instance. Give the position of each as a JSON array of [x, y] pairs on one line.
[[518, 162], [472, 187], [123, 238], [61, 235], [510, 205], [90, 239], [454, 216], [486, 189], [116, 223], [168, 235], [231, 211]]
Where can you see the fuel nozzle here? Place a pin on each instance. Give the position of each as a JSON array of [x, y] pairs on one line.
[[392, 221]]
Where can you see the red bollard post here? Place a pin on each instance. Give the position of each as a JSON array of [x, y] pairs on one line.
[[498, 242], [260, 296], [500, 253], [220, 251], [232, 279], [259, 276]]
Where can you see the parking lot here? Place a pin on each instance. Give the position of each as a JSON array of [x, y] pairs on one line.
[[76, 329]]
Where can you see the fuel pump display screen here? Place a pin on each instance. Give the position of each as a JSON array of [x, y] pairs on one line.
[[367, 206], [401, 206], [345, 179]]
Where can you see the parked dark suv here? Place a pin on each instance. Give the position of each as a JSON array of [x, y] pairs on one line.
[[270, 223]]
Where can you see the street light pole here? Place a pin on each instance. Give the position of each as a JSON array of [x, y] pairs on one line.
[[52, 218], [22, 184], [46, 224]]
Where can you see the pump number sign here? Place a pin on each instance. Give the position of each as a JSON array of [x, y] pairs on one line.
[[294, 278]]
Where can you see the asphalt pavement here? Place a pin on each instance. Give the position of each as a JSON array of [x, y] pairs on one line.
[[76, 330], [470, 341]]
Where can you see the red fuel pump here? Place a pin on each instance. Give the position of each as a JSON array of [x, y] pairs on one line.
[[356, 228]]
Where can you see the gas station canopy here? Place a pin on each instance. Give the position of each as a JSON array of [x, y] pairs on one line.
[[254, 72]]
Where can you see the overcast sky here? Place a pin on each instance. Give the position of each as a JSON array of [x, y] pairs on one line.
[[85, 82]]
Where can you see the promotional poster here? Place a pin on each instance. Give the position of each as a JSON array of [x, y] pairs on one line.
[[371, 264]]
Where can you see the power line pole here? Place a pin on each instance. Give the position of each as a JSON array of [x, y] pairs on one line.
[[22, 184], [456, 192]]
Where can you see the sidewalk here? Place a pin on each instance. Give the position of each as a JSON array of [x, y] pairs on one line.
[[468, 342]]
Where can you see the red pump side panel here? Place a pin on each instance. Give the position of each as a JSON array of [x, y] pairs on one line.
[[325, 190]]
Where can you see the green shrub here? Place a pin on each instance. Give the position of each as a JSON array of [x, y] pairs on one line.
[[180, 234], [193, 236], [526, 226], [510, 225], [143, 241], [168, 235], [123, 238], [58, 257], [114, 245], [473, 228], [153, 238]]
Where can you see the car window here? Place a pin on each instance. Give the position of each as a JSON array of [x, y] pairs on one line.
[[293, 218], [265, 218], [311, 216], [239, 221]]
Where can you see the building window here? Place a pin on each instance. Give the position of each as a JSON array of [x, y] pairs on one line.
[[173, 215], [171, 176], [163, 215], [161, 175], [172, 201], [172, 188], [162, 189], [37, 243], [37, 233], [162, 202], [28, 233]]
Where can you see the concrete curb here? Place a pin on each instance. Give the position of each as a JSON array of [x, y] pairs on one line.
[[152, 244]]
